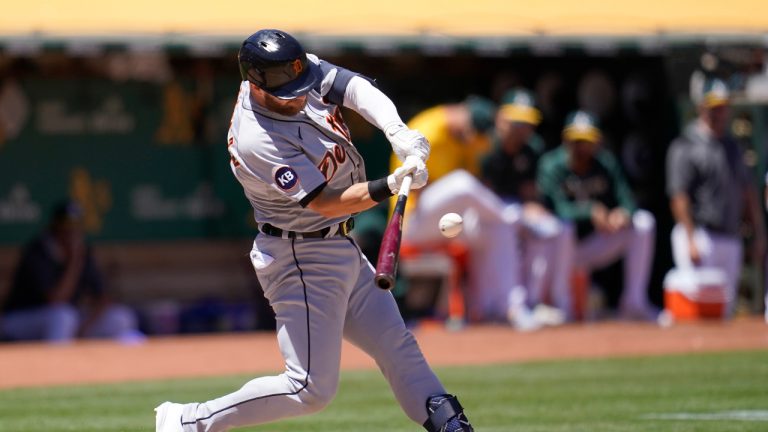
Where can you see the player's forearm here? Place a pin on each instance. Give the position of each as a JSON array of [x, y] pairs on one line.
[[341, 202], [681, 212], [371, 103]]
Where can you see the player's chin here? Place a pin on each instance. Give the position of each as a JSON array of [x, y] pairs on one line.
[[288, 107]]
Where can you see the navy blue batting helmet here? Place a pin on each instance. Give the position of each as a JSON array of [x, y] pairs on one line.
[[275, 61]]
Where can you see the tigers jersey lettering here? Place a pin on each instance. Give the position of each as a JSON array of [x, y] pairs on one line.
[[282, 160]]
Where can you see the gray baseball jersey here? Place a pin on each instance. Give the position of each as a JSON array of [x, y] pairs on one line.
[[713, 174], [283, 160], [321, 289]]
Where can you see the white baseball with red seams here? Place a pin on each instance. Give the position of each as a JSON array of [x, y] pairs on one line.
[[451, 225]]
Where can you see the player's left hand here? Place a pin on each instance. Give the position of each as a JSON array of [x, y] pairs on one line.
[[618, 219], [407, 142], [413, 166], [420, 174]]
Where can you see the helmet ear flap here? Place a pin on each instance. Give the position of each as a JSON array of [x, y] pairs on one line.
[[252, 74]]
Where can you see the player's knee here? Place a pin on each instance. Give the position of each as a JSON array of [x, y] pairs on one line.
[[643, 221], [119, 320], [62, 322], [460, 182], [314, 401], [317, 395]]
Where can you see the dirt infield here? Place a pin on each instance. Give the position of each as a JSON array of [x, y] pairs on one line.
[[26, 365]]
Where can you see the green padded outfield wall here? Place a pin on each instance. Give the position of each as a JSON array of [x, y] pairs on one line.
[[148, 161]]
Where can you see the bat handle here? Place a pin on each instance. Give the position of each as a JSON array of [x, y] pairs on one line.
[[405, 186]]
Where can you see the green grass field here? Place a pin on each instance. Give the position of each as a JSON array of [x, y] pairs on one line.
[[589, 395]]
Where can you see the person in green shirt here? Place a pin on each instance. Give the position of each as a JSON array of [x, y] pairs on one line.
[[583, 185], [509, 170]]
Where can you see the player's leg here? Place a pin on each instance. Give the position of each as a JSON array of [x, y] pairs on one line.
[[600, 249], [549, 265], [307, 284], [454, 192], [727, 254], [116, 322], [638, 260], [489, 231], [724, 253], [495, 266], [374, 324], [56, 323]]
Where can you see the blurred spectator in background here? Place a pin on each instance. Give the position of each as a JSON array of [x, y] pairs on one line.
[[583, 184], [510, 171], [460, 133], [57, 292], [460, 138], [710, 188]]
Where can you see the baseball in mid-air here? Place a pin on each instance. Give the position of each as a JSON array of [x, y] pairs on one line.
[[451, 225]]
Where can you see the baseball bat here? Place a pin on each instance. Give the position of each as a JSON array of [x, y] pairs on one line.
[[389, 252]]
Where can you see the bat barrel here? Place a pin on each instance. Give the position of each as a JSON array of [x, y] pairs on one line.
[[386, 266]]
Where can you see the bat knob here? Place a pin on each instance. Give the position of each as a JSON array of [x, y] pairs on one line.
[[384, 281]]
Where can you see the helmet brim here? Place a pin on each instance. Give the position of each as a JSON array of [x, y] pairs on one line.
[[300, 86]]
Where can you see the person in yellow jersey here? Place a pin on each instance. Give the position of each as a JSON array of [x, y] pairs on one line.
[[460, 136], [459, 131]]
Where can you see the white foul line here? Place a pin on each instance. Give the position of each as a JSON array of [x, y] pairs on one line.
[[742, 415]]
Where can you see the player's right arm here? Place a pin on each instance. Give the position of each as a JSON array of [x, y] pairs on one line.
[[679, 177], [339, 202], [362, 196], [379, 110], [268, 159], [348, 89]]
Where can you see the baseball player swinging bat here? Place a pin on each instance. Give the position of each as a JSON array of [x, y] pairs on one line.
[[389, 252]]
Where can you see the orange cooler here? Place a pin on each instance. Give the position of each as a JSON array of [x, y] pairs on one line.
[[695, 294]]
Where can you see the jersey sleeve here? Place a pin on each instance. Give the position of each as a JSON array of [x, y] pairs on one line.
[[284, 167], [335, 81]]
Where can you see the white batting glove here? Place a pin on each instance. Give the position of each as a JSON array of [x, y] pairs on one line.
[[407, 142], [413, 165]]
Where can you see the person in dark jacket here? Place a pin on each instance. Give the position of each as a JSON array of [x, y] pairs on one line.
[[57, 292]]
